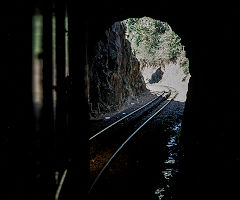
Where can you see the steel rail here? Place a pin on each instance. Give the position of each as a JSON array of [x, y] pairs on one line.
[[65, 172], [60, 184], [124, 143], [125, 117]]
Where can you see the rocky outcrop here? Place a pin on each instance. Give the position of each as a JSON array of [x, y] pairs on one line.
[[152, 72], [114, 72], [156, 76]]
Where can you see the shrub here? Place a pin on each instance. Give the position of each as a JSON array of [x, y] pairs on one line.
[[154, 41]]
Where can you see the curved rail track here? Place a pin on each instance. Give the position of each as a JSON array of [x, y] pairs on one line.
[[124, 135], [128, 115], [155, 104]]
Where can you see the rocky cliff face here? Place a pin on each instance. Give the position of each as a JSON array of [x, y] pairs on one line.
[[114, 72]]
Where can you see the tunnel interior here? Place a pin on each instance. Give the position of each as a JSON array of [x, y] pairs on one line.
[[33, 147], [136, 60]]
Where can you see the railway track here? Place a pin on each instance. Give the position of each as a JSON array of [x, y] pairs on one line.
[[107, 144], [158, 98]]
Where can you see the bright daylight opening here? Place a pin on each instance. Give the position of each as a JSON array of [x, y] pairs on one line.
[[163, 61]]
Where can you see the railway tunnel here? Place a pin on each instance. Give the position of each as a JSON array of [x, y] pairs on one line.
[[209, 130], [138, 64]]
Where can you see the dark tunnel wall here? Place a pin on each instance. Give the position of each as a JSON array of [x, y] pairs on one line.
[[210, 128]]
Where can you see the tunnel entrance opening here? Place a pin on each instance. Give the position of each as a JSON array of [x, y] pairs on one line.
[[137, 61], [162, 57], [134, 55]]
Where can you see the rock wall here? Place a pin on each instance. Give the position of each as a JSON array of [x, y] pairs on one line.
[[152, 72], [114, 72]]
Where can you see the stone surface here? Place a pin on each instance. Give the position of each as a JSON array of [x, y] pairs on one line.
[[156, 76], [114, 74]]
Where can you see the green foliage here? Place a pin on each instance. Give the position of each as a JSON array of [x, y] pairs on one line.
[[147, 34], [186, 66], [161, 27], [175, 47], [138, 40], [154, 40]]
